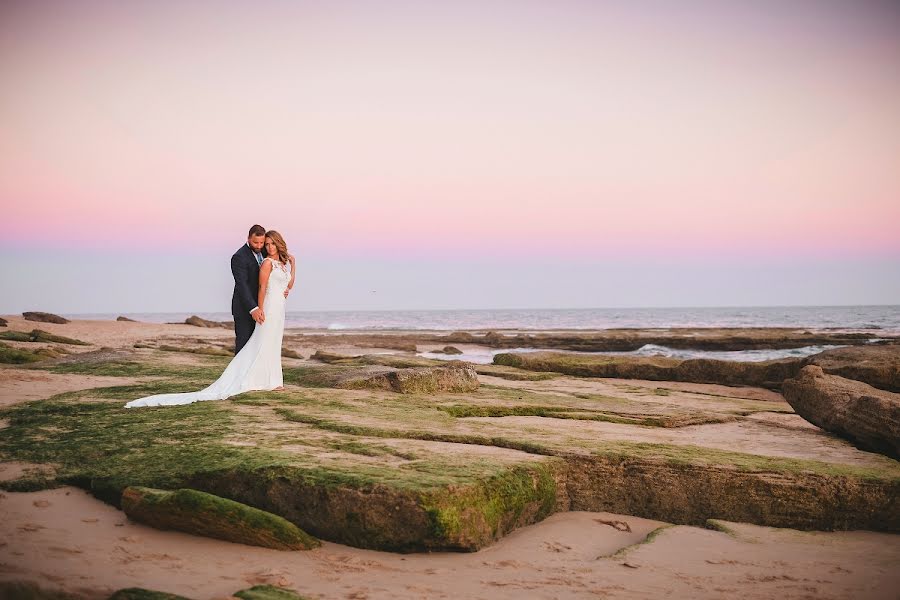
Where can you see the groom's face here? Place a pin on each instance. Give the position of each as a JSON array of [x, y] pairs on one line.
[[256, 242]]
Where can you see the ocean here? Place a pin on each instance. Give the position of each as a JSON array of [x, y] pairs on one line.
[[883, 319], [886, 318]]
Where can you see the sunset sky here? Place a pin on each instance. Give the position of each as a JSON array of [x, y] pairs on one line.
[[451, 154]]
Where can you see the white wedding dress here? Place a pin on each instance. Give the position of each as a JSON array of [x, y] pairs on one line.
[[257, 366]]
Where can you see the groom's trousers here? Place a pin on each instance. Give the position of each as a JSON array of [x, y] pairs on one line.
[[243, 329]]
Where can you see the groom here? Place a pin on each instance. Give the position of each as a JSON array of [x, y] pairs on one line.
[[245, 268]]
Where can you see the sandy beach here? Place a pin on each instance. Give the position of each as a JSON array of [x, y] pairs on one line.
[[65, 539]]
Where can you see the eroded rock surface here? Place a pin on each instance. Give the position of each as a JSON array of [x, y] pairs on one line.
[[868, 417], [44, 317], [877, 365]]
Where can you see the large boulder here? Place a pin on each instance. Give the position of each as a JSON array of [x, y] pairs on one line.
[[877, 365], [43, 317], [121, 318], [3, 322], [204, 514], [856, 411]]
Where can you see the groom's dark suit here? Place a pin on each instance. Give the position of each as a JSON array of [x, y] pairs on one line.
[[246, 289]]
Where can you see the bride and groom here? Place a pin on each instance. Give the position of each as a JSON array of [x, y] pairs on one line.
[[264, 274]]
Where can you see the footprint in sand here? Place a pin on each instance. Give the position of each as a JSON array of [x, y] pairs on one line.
[[130, 538], [267, 576], [41, 503], [65, 550], [556, 547]]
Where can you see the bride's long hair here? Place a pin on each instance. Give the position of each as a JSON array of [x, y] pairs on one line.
[[280, 245]]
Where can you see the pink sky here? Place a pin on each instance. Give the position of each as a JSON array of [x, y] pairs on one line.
[[394, 129]]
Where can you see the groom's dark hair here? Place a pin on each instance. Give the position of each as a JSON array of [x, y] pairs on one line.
[[256, 230]]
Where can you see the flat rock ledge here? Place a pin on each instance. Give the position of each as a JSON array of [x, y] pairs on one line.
[[200, 513], [877, 365], [867, 417], [768, 374]]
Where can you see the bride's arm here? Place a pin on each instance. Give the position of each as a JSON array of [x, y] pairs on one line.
[[264, 271], [293, 271]]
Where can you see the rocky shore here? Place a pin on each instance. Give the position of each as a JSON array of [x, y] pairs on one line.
[[375, 447]]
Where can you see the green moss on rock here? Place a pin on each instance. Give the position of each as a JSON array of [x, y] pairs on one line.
[[144, 594], [14, 356], [208, 515], [25, 590], [474, 516], [268, 592]]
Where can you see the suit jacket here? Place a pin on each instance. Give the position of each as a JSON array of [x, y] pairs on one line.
[[246, 282]]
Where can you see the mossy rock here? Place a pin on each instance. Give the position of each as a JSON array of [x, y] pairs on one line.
[[144, 594], [14, 356], [399, 518], [25, 590], [456, 378], [204, 514], [38, 335], [268, 592], [15, 336]]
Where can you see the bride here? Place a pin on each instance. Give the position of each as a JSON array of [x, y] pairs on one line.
[[258, 365]]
